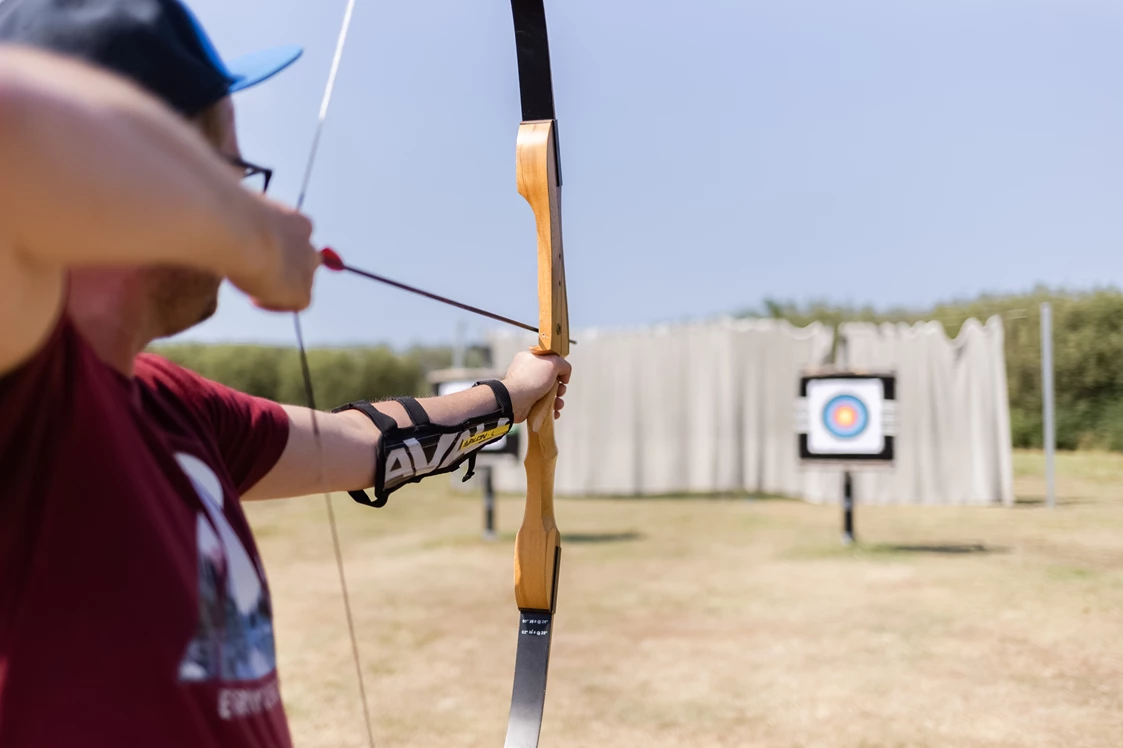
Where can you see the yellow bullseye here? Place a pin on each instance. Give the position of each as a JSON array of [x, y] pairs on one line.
[[845, 416]]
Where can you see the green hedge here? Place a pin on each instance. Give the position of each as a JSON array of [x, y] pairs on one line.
[[339, 375]]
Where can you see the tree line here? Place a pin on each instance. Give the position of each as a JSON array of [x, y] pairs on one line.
[[339, 375]]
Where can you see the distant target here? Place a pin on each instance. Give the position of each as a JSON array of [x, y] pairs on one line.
[[845, 416]]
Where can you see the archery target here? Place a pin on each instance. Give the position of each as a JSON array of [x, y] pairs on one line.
[[846, 416]]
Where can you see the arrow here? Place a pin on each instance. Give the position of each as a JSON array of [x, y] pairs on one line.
[[332, 261]]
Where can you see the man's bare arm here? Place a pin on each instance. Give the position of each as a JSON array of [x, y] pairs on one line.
[[349, 441], [93, 171], [349, 438]]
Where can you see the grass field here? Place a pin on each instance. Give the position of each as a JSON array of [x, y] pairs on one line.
[[693, 622]]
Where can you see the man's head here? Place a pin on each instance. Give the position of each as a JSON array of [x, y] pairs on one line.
[[161, 46], [177, 297]]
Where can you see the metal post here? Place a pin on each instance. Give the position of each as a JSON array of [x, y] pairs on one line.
[[489, 504], [847, 508], [1047, 404]]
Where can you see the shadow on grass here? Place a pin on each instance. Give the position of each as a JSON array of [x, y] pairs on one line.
[[769, 497], [687, 496], [507, 538], [1037, 502], [948, 549], [600, 537]]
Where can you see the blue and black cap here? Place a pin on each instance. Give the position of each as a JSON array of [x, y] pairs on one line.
[[158, 44]]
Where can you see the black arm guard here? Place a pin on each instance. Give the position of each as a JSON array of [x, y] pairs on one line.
[[406, 455]]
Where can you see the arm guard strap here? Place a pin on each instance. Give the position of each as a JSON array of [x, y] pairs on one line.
[[408, 454]]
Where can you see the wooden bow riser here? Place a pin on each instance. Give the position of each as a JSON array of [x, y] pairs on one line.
[[538, 543]]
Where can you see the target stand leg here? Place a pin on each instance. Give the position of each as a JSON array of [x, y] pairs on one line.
[[489, 504], [847, 508]]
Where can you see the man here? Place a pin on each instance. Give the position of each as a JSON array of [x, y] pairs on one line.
[[134, 609]]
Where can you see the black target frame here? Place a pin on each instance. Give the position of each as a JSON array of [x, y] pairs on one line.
[[886, 455]]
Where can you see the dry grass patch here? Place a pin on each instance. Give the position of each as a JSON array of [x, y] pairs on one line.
[[696, 622]]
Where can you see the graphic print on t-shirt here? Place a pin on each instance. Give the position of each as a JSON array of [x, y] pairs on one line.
[[234, 638]]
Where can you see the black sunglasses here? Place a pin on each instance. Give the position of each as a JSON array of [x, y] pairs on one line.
[[258, 176]]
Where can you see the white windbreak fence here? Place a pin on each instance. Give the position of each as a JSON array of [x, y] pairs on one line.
[[953, 437], [709, 408], [700, 408]]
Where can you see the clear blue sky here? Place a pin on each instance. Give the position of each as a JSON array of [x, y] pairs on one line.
[[715, 153]]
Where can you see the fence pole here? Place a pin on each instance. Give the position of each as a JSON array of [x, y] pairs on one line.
[[1047, 404]]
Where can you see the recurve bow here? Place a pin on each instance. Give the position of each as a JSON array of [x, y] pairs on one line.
[[538, 545]]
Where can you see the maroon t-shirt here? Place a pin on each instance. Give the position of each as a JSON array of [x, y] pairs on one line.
[[134, 609]]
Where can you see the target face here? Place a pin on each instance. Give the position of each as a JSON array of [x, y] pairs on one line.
[[845, 416]]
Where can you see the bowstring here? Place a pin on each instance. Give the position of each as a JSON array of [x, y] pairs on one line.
[[309, 395]]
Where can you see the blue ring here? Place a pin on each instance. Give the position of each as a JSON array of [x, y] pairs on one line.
[[854, 429]]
